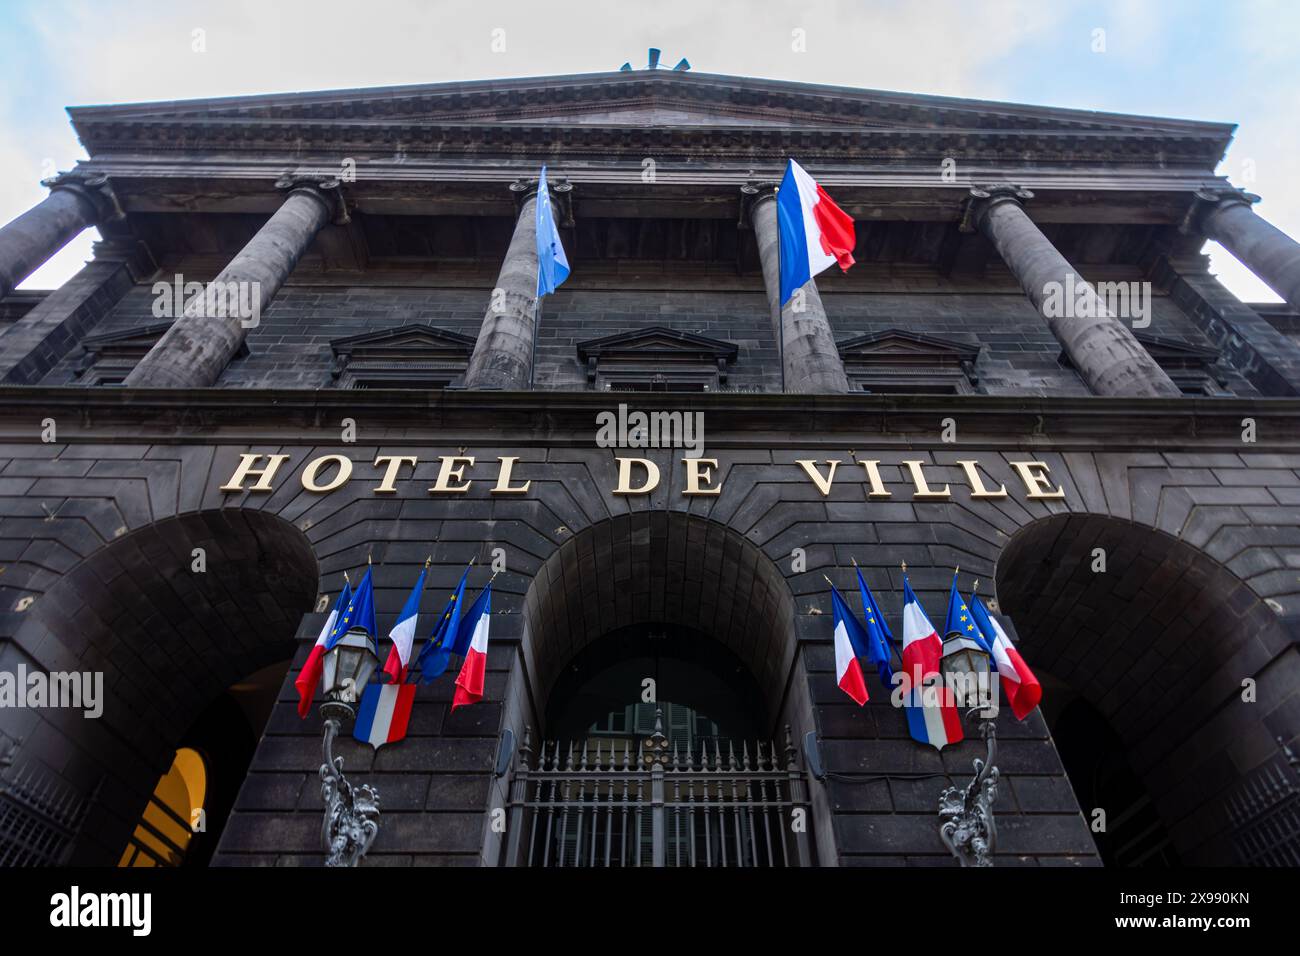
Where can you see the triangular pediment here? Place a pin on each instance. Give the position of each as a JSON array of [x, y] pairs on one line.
[[1170, 354], [635, 99], [126, 342], [413, 342], [898, 346], [657, 343]]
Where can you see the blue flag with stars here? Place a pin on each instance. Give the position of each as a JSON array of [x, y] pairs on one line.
[[437, 650], [360, 612], [962, 621], [552, 263], [878, 636]]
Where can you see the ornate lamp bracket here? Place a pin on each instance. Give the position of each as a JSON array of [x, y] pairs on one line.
[[966, 825], [351, 812]]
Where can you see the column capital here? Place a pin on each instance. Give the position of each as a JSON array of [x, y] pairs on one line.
[[325, 189], [561, 190], [94, 188], [984, 197], [1209, 199], [751, 194]]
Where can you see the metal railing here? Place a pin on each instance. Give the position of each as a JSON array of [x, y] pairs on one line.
[[39, 818], [657, 805], [1265, 812]]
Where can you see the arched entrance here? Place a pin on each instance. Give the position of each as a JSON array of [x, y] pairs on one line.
[[190, 621], [1143, 658], [661, 669]]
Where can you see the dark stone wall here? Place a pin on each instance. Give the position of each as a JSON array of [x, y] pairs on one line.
[[1236, 508], [290, 349]]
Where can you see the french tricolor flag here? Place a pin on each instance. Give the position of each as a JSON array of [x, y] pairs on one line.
[[814, 232], [931, 717], [309, 676], [469, 683], [384, 713], [1018, 681], [403, 632], [848, 672]]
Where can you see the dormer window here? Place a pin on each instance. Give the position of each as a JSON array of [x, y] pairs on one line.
[[410, 356], [896, 362], [657, 359]]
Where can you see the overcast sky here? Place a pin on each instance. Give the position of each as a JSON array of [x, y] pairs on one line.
[[1225, 60]]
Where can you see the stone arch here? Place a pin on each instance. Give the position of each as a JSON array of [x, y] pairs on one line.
[[1159, 645], [669, 567], [169, 640]]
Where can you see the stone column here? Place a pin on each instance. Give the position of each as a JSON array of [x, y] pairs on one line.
[[1101, 346], [196, 349], [1225, 216], [810, 362], [77, 200], [503, 354]]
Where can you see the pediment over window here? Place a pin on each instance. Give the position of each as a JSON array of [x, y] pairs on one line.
[[107, 358], [1170, 353], [1193, 368], [898, 361], [415, 356], [656, 358]]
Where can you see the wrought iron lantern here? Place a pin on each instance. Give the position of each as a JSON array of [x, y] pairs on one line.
[[966, 823], [351, 813]]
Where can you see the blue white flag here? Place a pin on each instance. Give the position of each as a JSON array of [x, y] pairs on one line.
[[552, 263]]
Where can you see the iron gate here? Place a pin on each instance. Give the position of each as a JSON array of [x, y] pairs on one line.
[[612, 806]]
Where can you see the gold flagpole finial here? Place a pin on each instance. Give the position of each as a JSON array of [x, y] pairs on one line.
[[854, 560], [346, 578], [428, 561], [956, 571], [904, 567], [368, 557], [828, 580], [472, 560], [974, 587]]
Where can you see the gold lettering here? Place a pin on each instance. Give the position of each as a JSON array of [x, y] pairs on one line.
[[246, 470], [977, 486], [315, 465], [878, 489], [1037, 479], [625, 476], [700, 470], [503, 479], [923, 491], [810, 467], [394, 463], [450, 471]]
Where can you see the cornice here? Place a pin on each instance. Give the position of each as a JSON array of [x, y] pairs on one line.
[[756, 143], [188, 416]]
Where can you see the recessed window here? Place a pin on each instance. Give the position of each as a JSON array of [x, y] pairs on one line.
[[165, 829]]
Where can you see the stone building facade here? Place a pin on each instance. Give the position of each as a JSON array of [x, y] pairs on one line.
[[383, 240]]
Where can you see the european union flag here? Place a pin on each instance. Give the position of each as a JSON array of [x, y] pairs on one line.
[[962, 621], [878, 636], [360, 612], [436, 653], [552, 263]]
